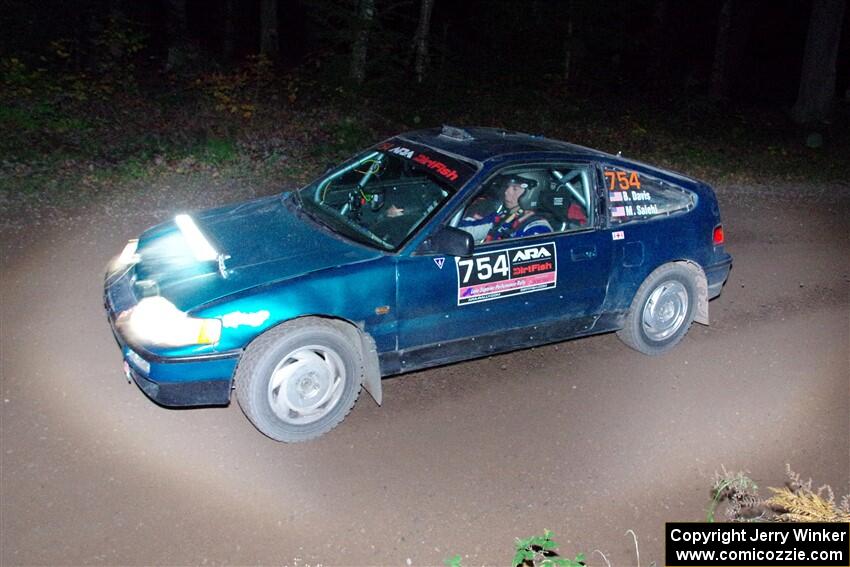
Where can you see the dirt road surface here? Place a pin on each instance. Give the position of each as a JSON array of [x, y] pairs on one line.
[[586, 438]]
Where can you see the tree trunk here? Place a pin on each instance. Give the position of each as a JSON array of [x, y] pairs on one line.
[[177, 22], [817, 79], [229, 30], [421, 39], [177, 28], [719, 70], [568, 50], [659, 47], [269, 45], [365, 18]]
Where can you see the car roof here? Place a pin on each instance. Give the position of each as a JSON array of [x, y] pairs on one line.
[[480, 145], [483, 144]]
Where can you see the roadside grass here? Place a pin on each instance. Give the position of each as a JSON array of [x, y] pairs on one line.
[[796, 501]]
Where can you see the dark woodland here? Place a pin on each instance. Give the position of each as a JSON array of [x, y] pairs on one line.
[[120, 115], [729, 88]]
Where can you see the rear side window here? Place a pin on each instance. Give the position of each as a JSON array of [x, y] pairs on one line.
[[637, 196]]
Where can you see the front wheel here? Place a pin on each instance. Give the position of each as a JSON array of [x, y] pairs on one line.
[[299, 380], [662, 310]]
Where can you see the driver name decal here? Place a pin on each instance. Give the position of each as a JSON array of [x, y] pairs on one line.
[[503, 273]]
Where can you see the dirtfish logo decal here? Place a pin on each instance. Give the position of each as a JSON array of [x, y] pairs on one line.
[[531, 254]]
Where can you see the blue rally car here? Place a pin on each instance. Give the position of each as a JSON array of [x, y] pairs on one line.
[[432, 247]]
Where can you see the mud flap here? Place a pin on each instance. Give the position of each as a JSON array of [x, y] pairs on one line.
[[371, 368], [701, 315]]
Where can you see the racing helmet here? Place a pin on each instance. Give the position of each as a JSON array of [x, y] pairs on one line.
[[529, 198], [501, 183]]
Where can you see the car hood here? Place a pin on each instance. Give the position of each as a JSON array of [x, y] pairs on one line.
[[258, 242]]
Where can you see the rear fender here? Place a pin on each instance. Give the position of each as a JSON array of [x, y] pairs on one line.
[[701, 315]]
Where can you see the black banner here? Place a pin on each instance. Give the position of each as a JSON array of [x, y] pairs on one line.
[[814, 544]]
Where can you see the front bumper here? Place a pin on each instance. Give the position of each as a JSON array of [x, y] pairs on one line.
[[182, 394], [186, 381]]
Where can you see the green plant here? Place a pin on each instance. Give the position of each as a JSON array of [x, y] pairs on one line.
[[218, 151], [735, 487], [535, 551], [541, 551]]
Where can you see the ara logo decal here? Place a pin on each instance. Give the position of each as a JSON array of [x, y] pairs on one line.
[[526, 254], [402, 151], [440, 261]]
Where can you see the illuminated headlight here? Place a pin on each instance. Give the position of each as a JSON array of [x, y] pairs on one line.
[[128, 257], [156, 321]]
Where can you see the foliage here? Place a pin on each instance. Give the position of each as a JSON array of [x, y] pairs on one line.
[[16, 78], [737, 488], [238, 92], [535, 551], [542, 551], [218, 151], [117, 45], [795, 502], [343, 138]]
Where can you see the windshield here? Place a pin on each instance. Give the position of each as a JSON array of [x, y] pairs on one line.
[[382, 196]]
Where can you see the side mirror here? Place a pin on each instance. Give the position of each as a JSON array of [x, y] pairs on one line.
[[449, 241]]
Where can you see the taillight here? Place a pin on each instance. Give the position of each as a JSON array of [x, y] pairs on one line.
[[717, 236]]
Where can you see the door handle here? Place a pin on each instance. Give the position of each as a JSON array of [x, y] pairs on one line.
[[583, 253]]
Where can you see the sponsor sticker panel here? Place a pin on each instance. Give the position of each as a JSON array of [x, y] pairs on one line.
[[503, 273]]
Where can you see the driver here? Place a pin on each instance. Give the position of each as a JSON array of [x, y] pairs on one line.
[[510, 220]]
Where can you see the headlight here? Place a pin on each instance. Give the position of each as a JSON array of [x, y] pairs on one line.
[[156, 321]]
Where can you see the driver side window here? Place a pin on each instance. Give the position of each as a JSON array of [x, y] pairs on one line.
[[526, 201]]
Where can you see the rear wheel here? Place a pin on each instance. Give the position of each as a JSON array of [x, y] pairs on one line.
[[662, 310], [299, 380]]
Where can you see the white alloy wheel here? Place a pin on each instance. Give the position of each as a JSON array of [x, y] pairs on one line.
[[298, 380], [306, 384]]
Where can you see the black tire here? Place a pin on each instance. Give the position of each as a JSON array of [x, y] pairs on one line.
[[662, 310], [290, 369]]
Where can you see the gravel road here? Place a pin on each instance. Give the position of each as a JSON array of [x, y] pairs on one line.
[[586, 438]]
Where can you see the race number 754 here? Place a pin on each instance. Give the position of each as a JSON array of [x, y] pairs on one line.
[[484, 268]]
